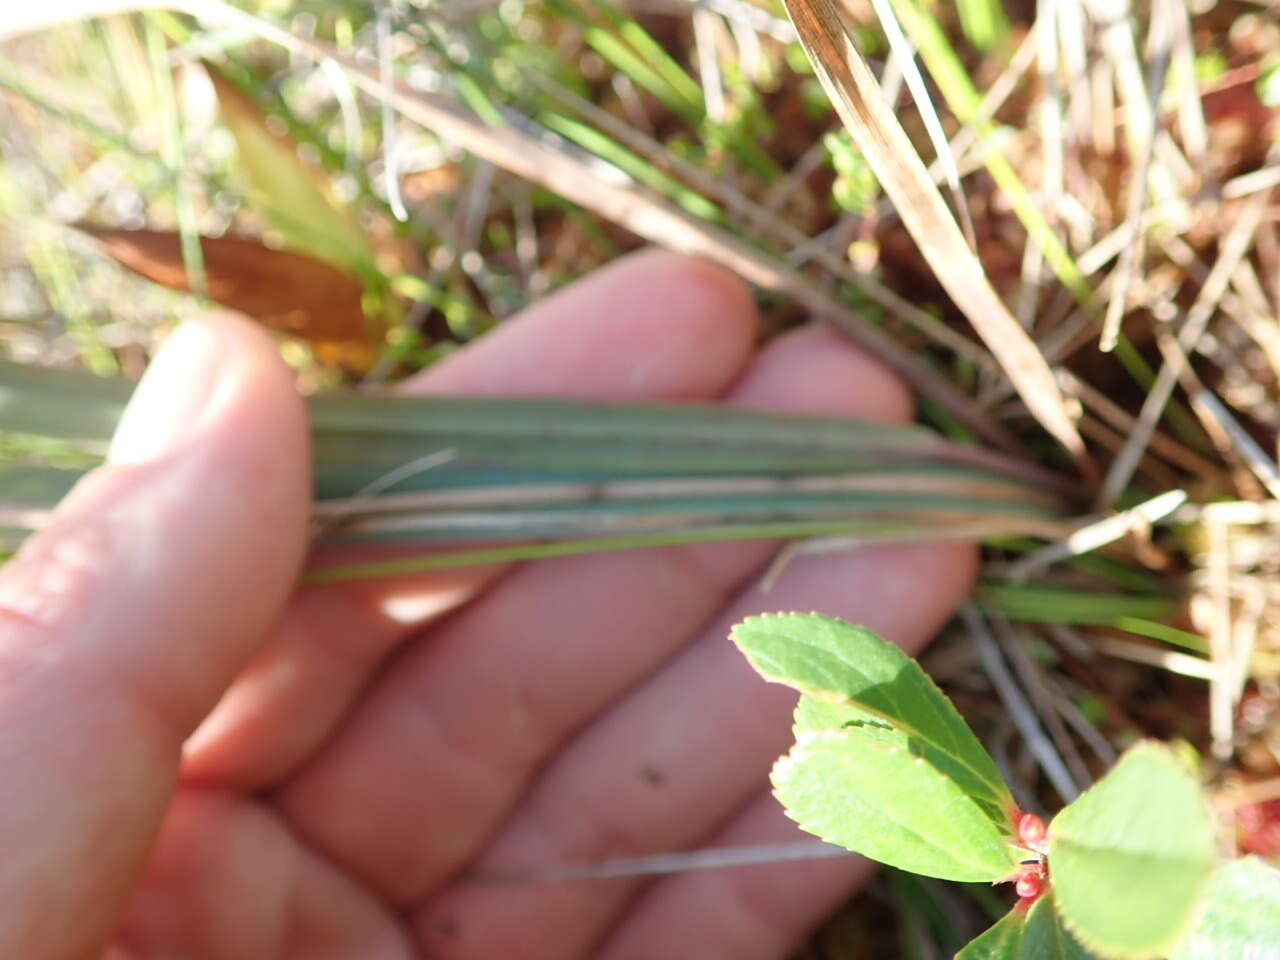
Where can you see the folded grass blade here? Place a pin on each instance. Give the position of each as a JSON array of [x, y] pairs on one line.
[[579, 477]]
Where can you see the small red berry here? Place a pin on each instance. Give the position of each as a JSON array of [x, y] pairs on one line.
[[1029, 887], [1031, 832], [1030, 881]]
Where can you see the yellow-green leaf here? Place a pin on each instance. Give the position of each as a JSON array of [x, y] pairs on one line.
[[296, 198]]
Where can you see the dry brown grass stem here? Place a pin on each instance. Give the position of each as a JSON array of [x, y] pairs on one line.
[[1255, 181], [1047, 33], [1123, 423], [1158, 63], [890, 154], [1257, 320], [1039, 685], [1152, 469], [1025, 717], [1004, 85], [1234, 247], [662, 864], [1221, 706], [1243, 479], [944, 161], [1086, 731], [1184, 664], [763, 218], [1192, 128], [1119, 46], [1247, 449]]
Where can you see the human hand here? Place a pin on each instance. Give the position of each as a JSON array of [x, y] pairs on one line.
[[374, 742]]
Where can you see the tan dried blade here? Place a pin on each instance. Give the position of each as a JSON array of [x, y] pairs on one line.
[[861, 105]]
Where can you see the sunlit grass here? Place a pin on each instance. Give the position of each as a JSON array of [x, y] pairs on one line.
[[721, 125]]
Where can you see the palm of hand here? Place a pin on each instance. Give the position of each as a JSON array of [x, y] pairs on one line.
[[392, 748]]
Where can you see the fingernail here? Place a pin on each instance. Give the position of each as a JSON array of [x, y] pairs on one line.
[[172, 397]]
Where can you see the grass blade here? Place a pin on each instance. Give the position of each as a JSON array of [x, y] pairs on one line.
[[588, 476]]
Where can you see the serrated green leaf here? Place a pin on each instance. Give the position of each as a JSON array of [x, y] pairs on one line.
[[1027, 934], [813, 713], [864, 788], [834, 660], [1130, 857], [1241, 915]]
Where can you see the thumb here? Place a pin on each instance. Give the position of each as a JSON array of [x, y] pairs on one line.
[[122, 622]]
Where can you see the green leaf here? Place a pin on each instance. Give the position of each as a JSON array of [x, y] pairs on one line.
[[813, 714], [1022, 934], [1241, 917], [1130, 857], [866, 789], [835, 660]]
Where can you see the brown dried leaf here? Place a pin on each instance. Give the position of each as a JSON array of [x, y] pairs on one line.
[[290, 292], [861, 105]]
